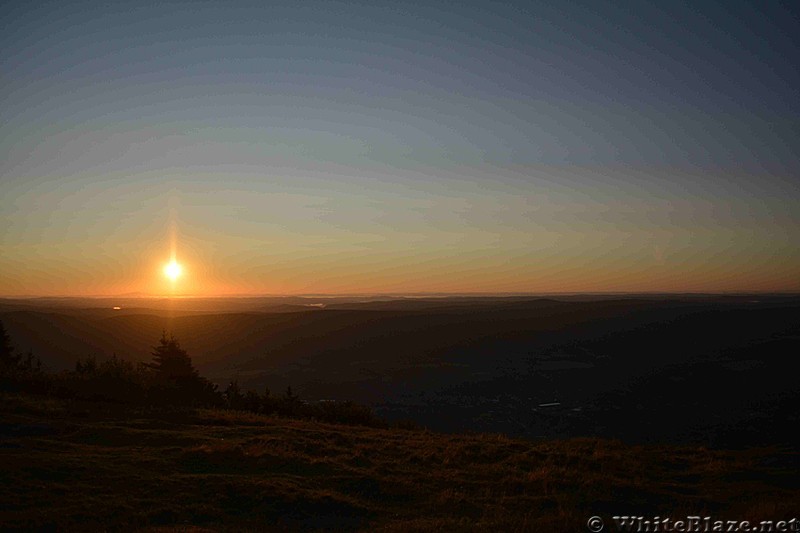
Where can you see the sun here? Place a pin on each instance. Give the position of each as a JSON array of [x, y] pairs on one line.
[[173, 270]]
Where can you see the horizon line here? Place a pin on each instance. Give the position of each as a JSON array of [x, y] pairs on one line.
[[404, 295]]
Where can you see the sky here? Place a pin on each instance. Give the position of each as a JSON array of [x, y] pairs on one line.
[[399, 147]]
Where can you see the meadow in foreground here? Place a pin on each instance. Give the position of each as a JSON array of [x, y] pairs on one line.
[[75, 465]]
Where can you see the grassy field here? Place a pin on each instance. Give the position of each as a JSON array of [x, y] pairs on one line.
[[77, 466]]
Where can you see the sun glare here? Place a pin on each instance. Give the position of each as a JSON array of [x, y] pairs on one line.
[[172, 270]]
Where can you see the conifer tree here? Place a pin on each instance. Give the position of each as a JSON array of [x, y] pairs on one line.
[[171, 361], [8, 360]]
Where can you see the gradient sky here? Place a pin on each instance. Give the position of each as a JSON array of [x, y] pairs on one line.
[[397, 147]]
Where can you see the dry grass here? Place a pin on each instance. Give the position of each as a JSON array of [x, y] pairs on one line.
[[70, 466]]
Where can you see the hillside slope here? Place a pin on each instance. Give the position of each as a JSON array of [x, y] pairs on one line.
[[609, 369], [76, 466]]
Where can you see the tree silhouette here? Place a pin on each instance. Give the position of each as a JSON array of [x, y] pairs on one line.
[[233, 395], [13, 366], [9, 361], [170, 361], [7, 357]]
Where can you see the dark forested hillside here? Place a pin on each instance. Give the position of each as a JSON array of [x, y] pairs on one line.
[[530, 367]]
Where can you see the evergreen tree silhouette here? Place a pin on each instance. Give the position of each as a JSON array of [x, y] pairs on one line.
[[6, 349], [8, 359], [170, 361]]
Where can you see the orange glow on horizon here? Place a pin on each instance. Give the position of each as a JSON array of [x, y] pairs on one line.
[[183, 260]]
